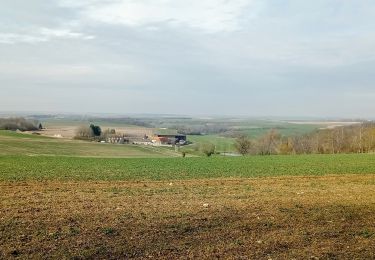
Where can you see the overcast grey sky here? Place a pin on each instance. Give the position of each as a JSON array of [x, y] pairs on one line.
[[239, 57]]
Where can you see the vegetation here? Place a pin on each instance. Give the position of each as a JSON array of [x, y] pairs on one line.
[[203, 207], [96, 130], [84, 133], [243, 145], [19, 123], [126, 169], [90, 132], [359, 138], [222, 144], [208, 149]]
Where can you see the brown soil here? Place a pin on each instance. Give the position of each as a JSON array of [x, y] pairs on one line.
[[272, 218]]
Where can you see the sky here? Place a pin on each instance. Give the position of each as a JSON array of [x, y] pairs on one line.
[[190, 57]]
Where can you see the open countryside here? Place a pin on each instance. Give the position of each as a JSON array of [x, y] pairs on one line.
[[68, 198], [187, 129]]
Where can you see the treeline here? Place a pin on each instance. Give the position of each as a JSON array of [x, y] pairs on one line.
[[124, 120], [19, 123], [90, 132], [93, 133], [359, 138], [200, 129]]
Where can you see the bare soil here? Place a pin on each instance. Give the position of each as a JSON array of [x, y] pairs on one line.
[[330, 217]]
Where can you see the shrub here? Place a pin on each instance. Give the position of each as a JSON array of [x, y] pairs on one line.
[[208, 149]]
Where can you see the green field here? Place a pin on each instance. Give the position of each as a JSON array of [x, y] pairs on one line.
[[73, 168], [33, 157], [253, 130], [285, 129], [222, 144]]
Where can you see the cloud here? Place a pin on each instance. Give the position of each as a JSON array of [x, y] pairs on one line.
[[64, 33], [42, 34], [209, 15], [252, 55]]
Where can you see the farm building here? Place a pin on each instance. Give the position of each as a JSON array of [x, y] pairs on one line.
[[117, 139], [169, 139]]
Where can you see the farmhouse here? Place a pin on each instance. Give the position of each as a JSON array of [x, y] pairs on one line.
[[172, 139], [117, 139]]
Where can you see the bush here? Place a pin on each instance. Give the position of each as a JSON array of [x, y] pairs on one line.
[[208, 149]]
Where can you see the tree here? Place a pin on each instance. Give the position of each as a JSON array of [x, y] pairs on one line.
[[208, 149], [40, 126], [84, 132], [108, 133], [243, 145], [269, 142], [96, 129], [286, 146]]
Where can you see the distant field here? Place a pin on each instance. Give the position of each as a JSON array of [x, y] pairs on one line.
[[285, 129], [253, 130], [26, 144], [222, 144]]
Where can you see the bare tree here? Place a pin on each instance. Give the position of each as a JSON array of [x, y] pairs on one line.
[[84, 132], [243, 145], [269, 143]]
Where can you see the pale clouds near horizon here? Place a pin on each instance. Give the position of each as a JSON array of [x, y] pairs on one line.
[[245, 57]]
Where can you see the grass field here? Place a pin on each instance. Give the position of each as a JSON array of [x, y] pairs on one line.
[[26, 168], [76, 205], [222, 144], [252, 130]]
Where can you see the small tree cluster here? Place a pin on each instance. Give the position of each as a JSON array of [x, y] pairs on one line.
[[93, 132]]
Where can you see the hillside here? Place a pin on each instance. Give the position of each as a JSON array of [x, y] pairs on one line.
[[12, 143]]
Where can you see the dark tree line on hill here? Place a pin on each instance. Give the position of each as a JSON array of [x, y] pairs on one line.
[[359, 138], [19, 123]]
